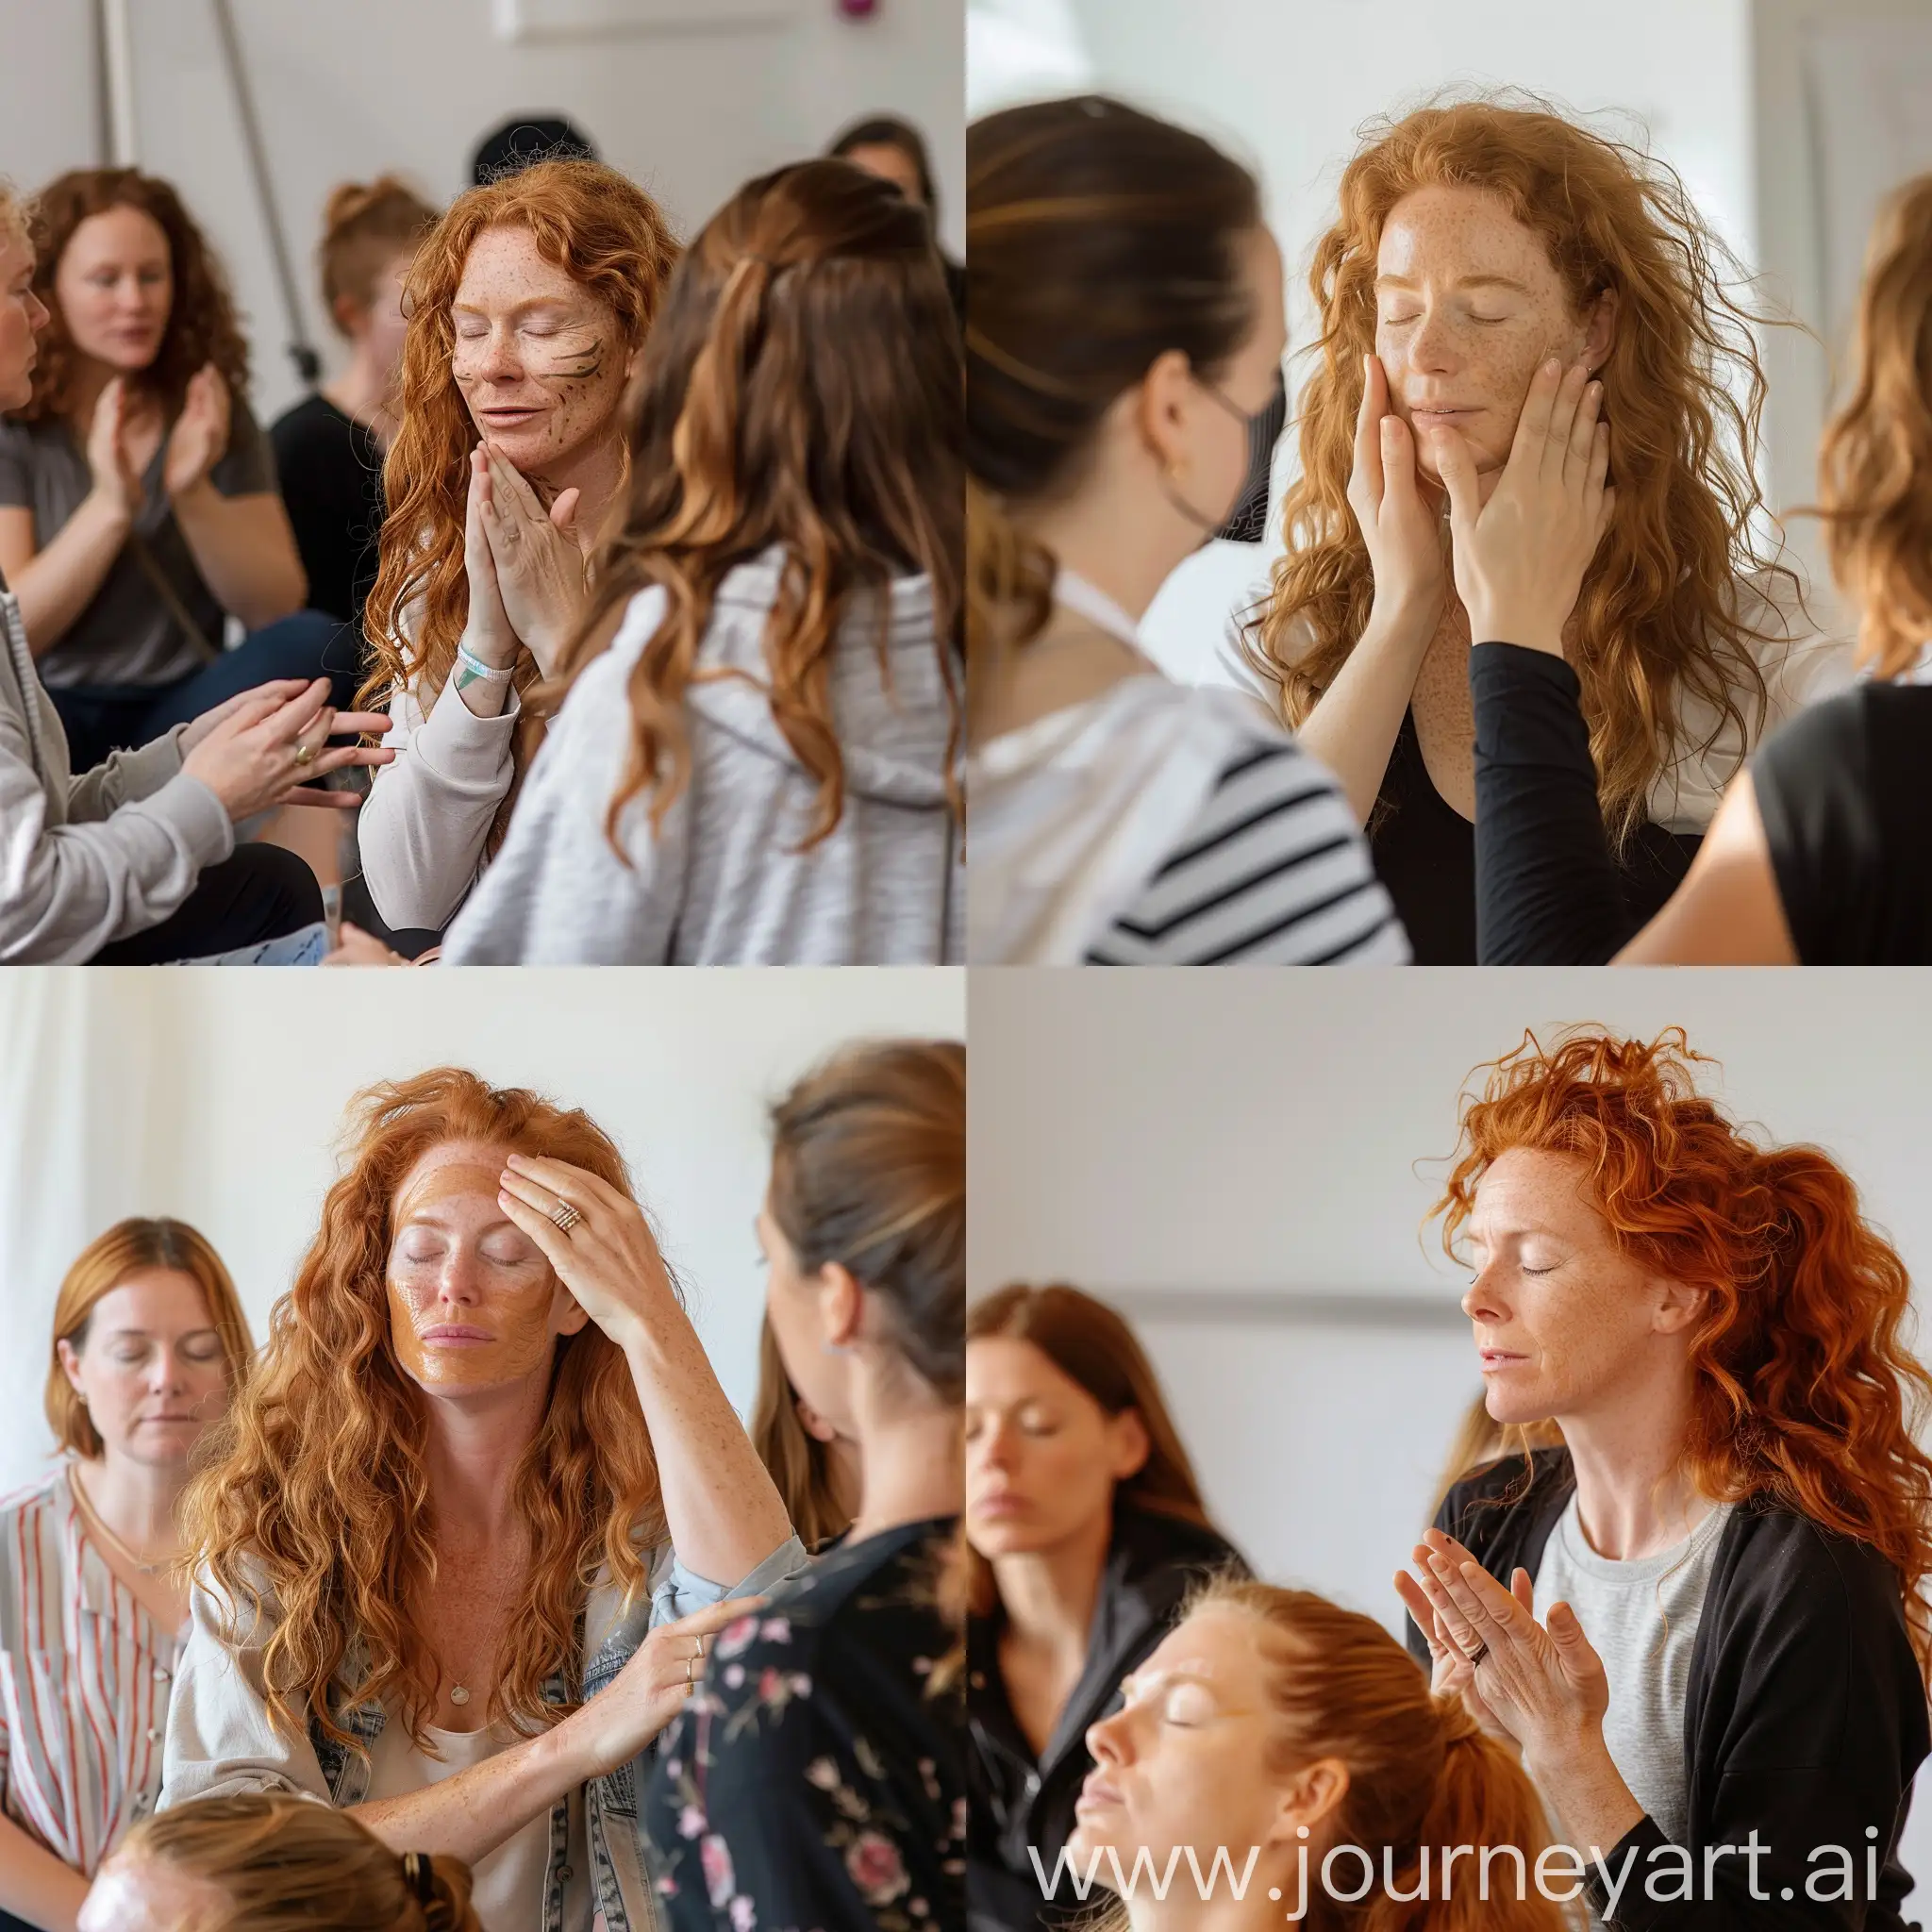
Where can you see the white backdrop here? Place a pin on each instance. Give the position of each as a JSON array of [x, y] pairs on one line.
[[217, 1097], [1220, 1152], [347, 88]]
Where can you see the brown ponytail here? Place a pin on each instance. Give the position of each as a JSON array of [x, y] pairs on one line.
[[286, 1864], [364, 228], [1097, 239]]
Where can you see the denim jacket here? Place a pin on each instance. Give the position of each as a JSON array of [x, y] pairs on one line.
[[220, 1739]]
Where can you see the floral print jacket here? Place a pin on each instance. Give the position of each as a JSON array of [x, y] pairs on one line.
[[817, 1781]]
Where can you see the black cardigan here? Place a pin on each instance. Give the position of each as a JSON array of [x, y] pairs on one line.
[[1805, 1717], [1016, 1803]]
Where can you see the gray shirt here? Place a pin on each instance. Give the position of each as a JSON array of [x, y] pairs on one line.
[[130, 633], [1642, 1618]]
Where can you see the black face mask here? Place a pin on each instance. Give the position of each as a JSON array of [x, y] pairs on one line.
[[1247, 523]]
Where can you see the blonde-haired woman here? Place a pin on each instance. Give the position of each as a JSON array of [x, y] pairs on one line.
[[529, 303], [1817, 855], [456, 1547], [149, 1346], [256, 1863], [755, 763], [815, 1467], [1300, 1738], [1477, 243]]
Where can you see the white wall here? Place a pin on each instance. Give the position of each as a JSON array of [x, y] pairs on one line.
[[217, 1098], [347, 88], [1197, 1147]]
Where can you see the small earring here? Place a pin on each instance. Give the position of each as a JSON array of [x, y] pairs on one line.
[[82, 1393]]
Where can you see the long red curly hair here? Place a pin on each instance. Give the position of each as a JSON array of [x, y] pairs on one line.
[[1876, 455], [202, 326], [1805, 1391], [311, 1511], [605, 233], [1683, 394]]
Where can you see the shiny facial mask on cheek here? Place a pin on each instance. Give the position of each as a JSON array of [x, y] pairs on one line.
[[519, 1319]]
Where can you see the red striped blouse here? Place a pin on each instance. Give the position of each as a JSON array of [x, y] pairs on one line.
[[85, 1672]]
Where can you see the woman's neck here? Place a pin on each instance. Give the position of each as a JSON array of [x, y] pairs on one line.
[[363, 393], [470, 1456], [138, 1500], [911, 1463], [1048, 1595], [1125, 550], [596, 473], [1633, 1495]]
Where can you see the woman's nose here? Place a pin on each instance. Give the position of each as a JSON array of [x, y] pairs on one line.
[[1107, 1738], [1432, 344], [1480, 1298]]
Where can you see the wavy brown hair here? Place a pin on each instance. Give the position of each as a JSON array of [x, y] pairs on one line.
[[311, 1514], [605, 233], [101, 1267], [1657, 613], [1805, 1391], [1098, 239], [798, 1463], [284, 1864], [201, 327], [802, 389], [1876, 457]]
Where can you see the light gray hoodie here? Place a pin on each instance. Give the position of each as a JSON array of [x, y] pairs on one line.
[[87, 859], [722, 881]]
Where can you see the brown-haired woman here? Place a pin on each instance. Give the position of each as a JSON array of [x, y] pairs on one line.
[[1125, 348], [1815, 857], [454, 1545], [256, 1863], [1477, 243], [1086, 1531], [137, 503], [817, 1779], [891, 147], [149, 1346], [1705, 1618], [1288, 1752], [814, 1467], [528, 304], [755, 764], [329, 447]]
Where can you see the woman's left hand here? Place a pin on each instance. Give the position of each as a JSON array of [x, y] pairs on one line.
[[199, 438], [1546, 1685], [609, 1259]]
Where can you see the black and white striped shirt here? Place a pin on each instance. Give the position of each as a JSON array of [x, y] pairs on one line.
[[1273, 869]]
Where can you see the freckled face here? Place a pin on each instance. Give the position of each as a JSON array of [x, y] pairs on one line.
[[538, 358], [473, 1304], [1563, 1318], [1467, 308]]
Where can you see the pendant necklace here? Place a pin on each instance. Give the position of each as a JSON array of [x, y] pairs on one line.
[[460, 1693]]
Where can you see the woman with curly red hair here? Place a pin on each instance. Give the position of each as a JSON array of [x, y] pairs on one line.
[[454, 1547], [1815, 857], [137, 500], [528, 302], [1703, 1619], [1475, 244]]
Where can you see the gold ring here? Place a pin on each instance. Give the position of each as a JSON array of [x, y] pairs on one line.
[[565, 1216], [690, 1673], [302, 752]]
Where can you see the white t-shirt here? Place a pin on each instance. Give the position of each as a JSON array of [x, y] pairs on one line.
[[1642, 1618], [509, 1895]]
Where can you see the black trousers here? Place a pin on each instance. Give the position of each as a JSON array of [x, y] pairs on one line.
[[260, 893]]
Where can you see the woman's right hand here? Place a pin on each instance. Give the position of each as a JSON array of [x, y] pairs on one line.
[[115, 476], [615, 1724], [268, 746], [1398, 524]]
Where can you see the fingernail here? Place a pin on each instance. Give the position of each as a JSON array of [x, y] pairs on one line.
[[513, 1161], [1553, 367]]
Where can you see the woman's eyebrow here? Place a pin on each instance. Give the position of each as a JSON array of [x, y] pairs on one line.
[[1483, 281]]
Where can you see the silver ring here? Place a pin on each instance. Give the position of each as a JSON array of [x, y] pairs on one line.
[[565, 1216]]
